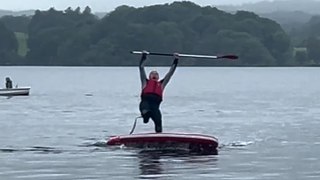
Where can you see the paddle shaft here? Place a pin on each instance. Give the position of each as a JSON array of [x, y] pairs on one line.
[[188, 55]]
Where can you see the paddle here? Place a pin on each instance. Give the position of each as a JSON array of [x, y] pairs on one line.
[[232, 57]]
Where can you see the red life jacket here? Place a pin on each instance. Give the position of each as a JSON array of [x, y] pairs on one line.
[[153, 87]]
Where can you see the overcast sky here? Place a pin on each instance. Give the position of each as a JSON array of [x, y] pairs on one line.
[[99, 5]]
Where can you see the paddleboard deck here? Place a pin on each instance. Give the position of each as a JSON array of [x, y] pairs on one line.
[[191, 143]]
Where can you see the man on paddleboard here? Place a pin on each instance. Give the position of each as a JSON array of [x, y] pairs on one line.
[[152, 92], [8, 83]]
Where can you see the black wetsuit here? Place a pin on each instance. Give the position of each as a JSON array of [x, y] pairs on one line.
[[150, 103], [8, 84], [150, 108]]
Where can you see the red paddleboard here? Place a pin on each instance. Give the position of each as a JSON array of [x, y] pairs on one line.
[[193, 143]]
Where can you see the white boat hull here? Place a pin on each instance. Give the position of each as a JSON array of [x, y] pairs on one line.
[[23, 91]]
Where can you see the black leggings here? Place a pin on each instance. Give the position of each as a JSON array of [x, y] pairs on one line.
[[150, 109]]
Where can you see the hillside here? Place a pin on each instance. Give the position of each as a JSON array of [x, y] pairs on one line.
[[16, 13], [307, 6]]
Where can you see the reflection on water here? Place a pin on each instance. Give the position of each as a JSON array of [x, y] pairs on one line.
[[159, 164], [150, 165]]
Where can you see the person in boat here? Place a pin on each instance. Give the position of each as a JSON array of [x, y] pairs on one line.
[[152, 92], [8, 83]]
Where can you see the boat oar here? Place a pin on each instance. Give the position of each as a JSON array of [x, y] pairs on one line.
[[189, 55]]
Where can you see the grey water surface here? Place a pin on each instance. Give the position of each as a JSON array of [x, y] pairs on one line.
[[267, 121]]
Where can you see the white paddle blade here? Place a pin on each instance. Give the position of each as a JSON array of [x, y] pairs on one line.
[[139, 52]]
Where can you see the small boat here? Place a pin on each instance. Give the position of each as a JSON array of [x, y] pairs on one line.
[[21, 91], [173, 142]]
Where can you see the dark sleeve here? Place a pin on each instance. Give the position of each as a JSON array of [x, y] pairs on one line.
[[143, 76], [168, 76]]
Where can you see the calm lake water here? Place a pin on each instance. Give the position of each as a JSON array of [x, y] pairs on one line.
[[267, 121]]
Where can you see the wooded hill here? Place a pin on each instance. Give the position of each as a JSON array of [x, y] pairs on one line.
[[75, 37]]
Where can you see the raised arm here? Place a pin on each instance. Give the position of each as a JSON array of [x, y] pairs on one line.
[[173, 67], [143, 76]]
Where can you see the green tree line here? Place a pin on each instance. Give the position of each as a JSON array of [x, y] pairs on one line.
[[75, 37]]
